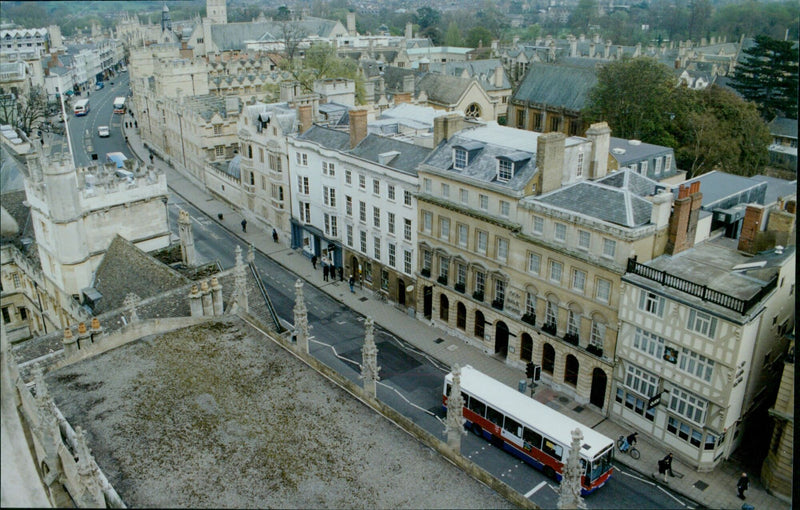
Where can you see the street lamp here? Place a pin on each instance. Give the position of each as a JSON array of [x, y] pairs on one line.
[[183, 151]]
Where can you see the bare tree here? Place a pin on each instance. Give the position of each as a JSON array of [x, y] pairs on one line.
[[292, 34], [32, 109]]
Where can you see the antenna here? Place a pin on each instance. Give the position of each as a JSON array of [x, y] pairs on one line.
[[66, 128]]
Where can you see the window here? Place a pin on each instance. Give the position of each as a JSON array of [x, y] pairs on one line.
[[555, 271], [407, 261], [702, 323], [463, 235], [260, 154], [538, 225], [484, 202], [667, 163], [426, 185], [598, 334], [579, 167], [482, 242], [505, 208], [480, 281], [363, 239], [274, 162], [603, 290], [657, 166], [502, 250], [376, 217], [534, 263], [444, 228], [376, 245], [362, 181], [649, 343], [573, 323], [327, 169], [331, 225], [531, 439], [427, 259], [218, 129], [362, 211], [560, 232], [641, 381], [512, 427], [305, 212], [505, 170], [392, 255], [643, 168], [555, 123], [636, 404], [427, 221], [407, 229], [444, 267], [651, 303], [500, 290], [302, 158], [459, 159], [376, 186], [461, 274], [445, 190], [696, 364], [390, 221], [464, 196], [551, 315], [348, 177], [329, 196], [406, 198], [578, 280], [302, 185], [390, 191], [609, 248], [219, 151], [350, 235], [584, 239], [688, 433], [348, 206], [530, 303], [687, 405]]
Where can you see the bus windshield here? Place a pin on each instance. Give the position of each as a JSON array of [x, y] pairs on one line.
[[119, 105], [601, 464]]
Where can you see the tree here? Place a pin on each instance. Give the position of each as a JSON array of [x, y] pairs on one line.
[[583, 15], [292, 34], [478, 36], [322, 62], [635, 97], [428, 20], [717, 130], [283, 14], [768, 77], [453, 35], [23, 111]]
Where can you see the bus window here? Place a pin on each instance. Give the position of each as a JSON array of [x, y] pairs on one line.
[[532, 439], [600, 465], [494, 416], [512, 426], [477, 407], [448, 390], [552, 449]]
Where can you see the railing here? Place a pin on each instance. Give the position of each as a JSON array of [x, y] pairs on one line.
[[738, 305]]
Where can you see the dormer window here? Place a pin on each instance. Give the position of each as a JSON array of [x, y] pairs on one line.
[[459, 159], [505, 170], [464, 152]]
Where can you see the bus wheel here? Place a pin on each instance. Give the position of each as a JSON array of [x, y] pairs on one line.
[[549, 472], [477, 430]]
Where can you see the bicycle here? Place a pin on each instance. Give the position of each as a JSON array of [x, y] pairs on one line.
[[632, 451]]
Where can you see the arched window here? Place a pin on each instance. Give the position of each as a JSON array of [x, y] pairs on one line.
[[461, 316], [444, 308], [250, 152], [473, 111], [479, 324], [526, 348], [571, 367], [548, 358]]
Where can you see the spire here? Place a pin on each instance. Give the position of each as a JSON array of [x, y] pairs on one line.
[[570, 490], [454, 423], [300, 317], [369, 359]]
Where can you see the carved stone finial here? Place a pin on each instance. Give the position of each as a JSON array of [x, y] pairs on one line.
[[369, 359], [454, 424], [300, 317], [95, 324], [82, 328], [68, 334], [570, 490], [251, 253]]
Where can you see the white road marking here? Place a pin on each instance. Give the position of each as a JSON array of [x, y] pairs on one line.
[[533, 491]]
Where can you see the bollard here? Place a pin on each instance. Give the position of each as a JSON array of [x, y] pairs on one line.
[[523, 384]]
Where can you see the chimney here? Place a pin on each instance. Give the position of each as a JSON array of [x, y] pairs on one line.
[[780, 225], [305, 115], [445, 126], [409, 34], [408, 83], [591, 50], [498, 76], [683, 223], [637, 52], [751, 226], [600, 136], [607, 50], [620, 53], [573, 46], [358, 126], [402, 97], [351, 23], [791, 206], [550, 161]]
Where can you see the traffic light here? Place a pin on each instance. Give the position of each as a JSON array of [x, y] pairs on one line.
[[529, 370], [533, 372]]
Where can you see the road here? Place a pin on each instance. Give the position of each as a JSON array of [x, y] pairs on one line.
[[411, 382]]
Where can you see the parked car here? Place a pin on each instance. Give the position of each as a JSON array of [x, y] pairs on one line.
[[99, 85], [103, 132]]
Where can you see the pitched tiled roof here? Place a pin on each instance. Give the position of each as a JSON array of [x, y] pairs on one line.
[[557, 85], [409, 156], [328, 138], [782, 126], [232, 36], [443, 89]]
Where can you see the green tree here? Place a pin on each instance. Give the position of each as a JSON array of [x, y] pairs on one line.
[[283, 14], [479, 36], [321, 62], [453, 35], [768, 77], [584, 15], [635, 97]]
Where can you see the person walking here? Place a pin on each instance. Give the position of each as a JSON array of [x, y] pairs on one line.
[[352, 282], [274, 235], [324, 271], [665, 466], [742, 485], [314, 261], [244, 225]]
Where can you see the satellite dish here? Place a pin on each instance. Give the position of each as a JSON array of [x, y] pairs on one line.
[[410, 288]]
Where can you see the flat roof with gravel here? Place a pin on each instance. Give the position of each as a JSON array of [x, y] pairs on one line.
[[217, 415]]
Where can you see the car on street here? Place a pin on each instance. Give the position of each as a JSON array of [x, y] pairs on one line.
[[99, 85], [103, 131]]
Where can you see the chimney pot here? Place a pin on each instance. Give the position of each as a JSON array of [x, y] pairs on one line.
[[358, 126]]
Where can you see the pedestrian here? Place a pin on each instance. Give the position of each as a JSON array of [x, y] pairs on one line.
[[352, 282], [742, 485], [314, 261], [665, 466], [244, 225], [151, 158], [126, 140], [341, 274], [136, 124], [274, 235], [324, 271], [628, 442]]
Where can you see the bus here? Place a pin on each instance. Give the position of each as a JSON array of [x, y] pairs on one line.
[[535, 433], [119, 105], [81, 107]]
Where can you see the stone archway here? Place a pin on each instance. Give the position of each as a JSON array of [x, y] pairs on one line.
[[479, 324], [501, 339], [548, 358], [571, 369], [526, 348], [427, 302], [444, 308], [597, 396], [461, 316]]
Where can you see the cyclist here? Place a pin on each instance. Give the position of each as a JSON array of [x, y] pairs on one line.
[[628, 442]]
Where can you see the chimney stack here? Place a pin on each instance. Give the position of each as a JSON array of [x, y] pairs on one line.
[[445, 126], [751, 226], [351, 23], [358, 126], [550, 161], [304, 114], [402, 97], [409, 31], [683, 223], [600, 136], [408, 83]]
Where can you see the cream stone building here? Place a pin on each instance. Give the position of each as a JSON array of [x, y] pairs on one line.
[[523, 241]]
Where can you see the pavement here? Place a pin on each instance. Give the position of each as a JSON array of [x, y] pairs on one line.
[[716, 489]]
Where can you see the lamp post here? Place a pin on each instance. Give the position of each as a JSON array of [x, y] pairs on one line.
[[183, 151]]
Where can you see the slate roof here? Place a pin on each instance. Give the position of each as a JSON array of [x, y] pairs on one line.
[[634, 152], [784, 127], [232, 36], [557, 85], [721, 190], [11, 174], [328, 138], [621, 205], [777, 188], [630, 180], [281, 113], [443, 89], [206, 105], [393, 77], [124, 269], [372, 146], [14, 203], [483, 70]]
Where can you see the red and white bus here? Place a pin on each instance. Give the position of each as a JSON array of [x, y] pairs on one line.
[[537, 434], [81, 107], [119, 105]]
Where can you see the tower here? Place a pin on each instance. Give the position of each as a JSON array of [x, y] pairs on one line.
[[166, 22], [216, 12]]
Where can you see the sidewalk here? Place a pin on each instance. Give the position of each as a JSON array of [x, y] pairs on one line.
[[716, 489]]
